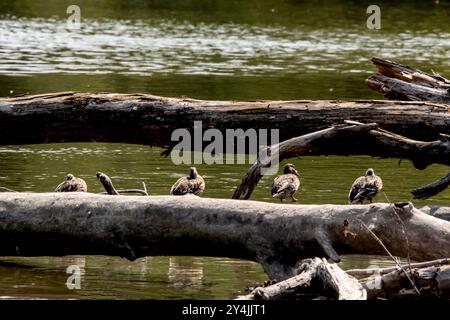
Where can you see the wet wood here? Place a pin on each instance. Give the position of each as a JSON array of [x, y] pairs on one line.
[[399, 82], [350, 139], [275, 235], [315, 276], [148, 119]]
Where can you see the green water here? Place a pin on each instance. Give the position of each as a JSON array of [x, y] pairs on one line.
[[221, 49], [39, 168]]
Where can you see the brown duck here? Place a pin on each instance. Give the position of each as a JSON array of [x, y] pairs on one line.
[[365, 187], [287, 184], [72, 184], [193, 184]]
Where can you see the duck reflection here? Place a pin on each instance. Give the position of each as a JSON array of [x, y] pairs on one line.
[[186, 272]]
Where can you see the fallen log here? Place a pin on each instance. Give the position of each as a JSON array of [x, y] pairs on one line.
[[432, 282], [431, 279], [148, 119], [275, 235], [351, 138], [399, 82], [315, 276], [433, 188]]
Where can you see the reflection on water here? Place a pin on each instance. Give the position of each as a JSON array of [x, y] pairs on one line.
[[39, 168], [223, 50], [142, 48], [182, 274]]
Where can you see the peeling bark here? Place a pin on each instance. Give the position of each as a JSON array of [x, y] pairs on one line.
[[399, 82]]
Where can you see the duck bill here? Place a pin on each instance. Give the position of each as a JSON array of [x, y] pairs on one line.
[[296, 173]]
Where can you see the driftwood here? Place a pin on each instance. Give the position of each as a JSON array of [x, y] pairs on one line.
[[148, 119], [275, 235], [352, 138], [315, 275], [433, 188], [431, 281], [399, 82]]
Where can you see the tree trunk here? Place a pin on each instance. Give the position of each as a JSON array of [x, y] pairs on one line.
[[353, 138], [147, 119], [399, 82], [275, 235]]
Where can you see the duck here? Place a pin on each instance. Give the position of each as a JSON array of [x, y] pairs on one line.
[[192, 184], [286, 185], [107, 183], [365, 187], [72, 184]]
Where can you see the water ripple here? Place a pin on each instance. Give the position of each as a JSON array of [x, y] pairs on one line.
[[30, 46]]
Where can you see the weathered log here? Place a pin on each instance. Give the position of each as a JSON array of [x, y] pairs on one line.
[[315, 275], [433, 188], [275, 235], [431, 278], [399, 82], [432, 282], [352, 138], [148, 119]]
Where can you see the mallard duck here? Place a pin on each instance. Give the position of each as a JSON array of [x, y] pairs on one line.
[[72, 184], [286, 185], [193, 183], [107, 183], [365, 187]]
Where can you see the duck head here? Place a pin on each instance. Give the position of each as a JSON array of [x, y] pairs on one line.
[[193, 173], [70, 176], [370, 172], [290, 168]]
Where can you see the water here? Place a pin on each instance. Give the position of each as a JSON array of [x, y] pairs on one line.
[[215, 49], [255, 49], [39, 168]]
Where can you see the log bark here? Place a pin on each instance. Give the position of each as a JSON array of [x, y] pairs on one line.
[[275, 235], [148, 119], [399, 82], [352, 138], [315, 276]]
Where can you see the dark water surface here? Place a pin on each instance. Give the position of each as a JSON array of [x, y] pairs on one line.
[[256, 49]]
